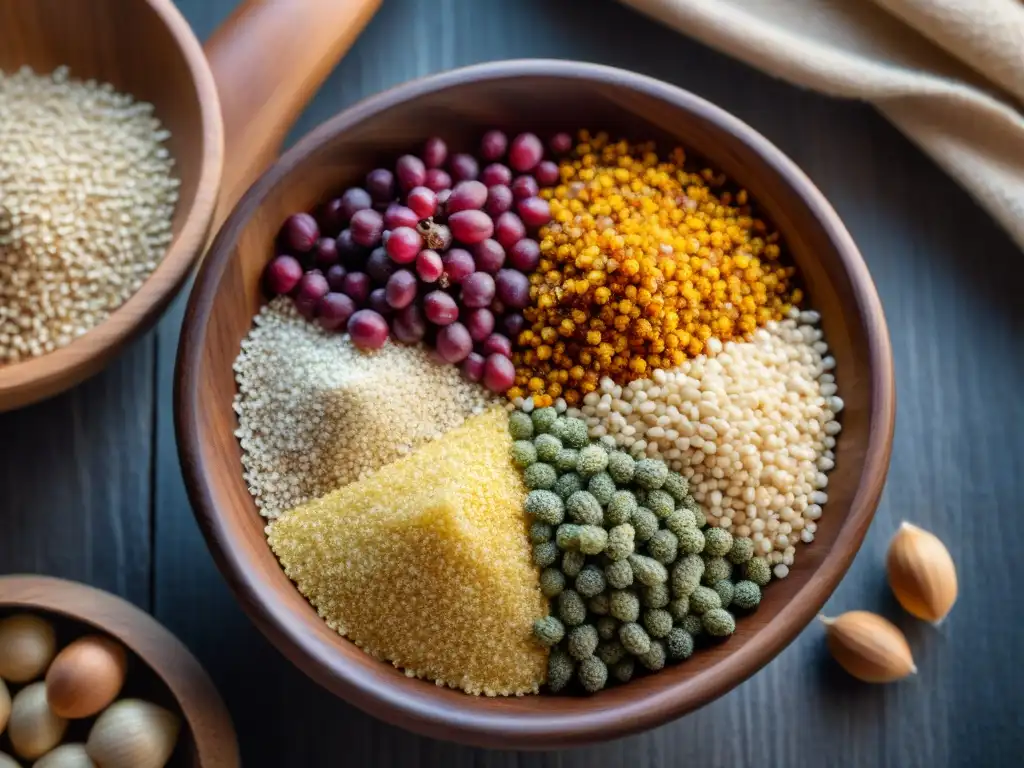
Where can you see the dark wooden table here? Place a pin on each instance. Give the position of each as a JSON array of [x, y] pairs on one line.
[[90, 487]]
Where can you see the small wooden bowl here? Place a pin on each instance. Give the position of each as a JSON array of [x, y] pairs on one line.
[[543, 96], [147, 49], [172, 677]]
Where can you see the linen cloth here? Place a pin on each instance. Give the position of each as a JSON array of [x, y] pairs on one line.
[[948, 73]]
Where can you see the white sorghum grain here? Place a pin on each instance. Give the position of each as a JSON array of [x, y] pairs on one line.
[[86, 202], [315, 413], [751, 426]]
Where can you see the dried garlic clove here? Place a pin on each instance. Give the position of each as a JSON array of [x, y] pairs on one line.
[[869, 647], [921, 573]]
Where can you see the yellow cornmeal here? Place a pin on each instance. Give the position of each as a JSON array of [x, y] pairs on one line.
[[426, 563]]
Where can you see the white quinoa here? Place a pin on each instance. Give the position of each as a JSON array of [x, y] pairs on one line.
[[315, 413], [86, 202], [752, 428]]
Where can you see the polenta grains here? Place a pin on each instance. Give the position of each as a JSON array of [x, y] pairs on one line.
[[643, 264], [670, 414]]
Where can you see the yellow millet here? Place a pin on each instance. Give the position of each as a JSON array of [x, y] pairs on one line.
[[426, 563], [642, 264]]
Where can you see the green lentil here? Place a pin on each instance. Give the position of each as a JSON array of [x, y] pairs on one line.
[[561, 669], [602, 487], [621, 467], [699, 517], [592, 674], [540, 532], [545, 554], [647, 570], [676, 485], [552, 582], [679, 644], [746, 595], [593, 539], [660, 503], [567, 536], [621, 542], [583, 508], [704, 599], [718, 622], [547, 447], [680, 520], [663, 547], [654, 659], [565, 460], [654, 596], [540, 476], [742, 550], [610, 652], [549, 631], [624, 605], [607, 627], [621, 507], [634, 638], [645, 524], [679, 608], [568, 484], [686, 575], [520, 425], [725, 590], [718, 542], [691, 541], [716, 569], [657, 622], [623, 671], [545, 506], [544, 419], [571, 608], [650, 474], [591, 461], [523, 453], [692, 624], [599, 605], [572, 563], [758, 571], [590, 581], [618, 574], [573, 432], [607, 443], [582, 641]]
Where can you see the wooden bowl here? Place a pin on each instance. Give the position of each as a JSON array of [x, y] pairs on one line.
[[543, 96], [147, 49], [168, 674]]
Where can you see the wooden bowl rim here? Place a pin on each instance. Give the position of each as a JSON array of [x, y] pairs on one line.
[[37, 378], [496, 728], [197, 697]]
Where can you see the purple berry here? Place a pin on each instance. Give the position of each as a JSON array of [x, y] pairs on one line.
[[349, 251], [488, 255], [409, 325], [466, 196], [499, 373], [496, 173], [300, 232], [366, 227], [334, 310], [398, 215], [493, 145], [463, 167], [283, 274], [524, 255], [513, 324], [560, 143], [352, 200], [477, 290], [513, 288], [379, 266], [422, 201], [401, 289], [496, 344], [525, 152], [378, 302], [499, 200], [404, 244], [325, 253], [508, 230], [440, 308], [312, 287], [429, 266], [471, 227], [453, 343], [336, 276], [436, 180], [380, 183], [356, 285], [546, 173], [534, 211], [458, 265], [411, 172], [368, 329], [480, 323], [435, 152], [473, 366], [524, 186]]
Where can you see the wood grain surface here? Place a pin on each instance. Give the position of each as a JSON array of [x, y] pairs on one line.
[[90, 486]]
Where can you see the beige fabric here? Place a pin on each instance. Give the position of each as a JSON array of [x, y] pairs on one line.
[[948, 73]]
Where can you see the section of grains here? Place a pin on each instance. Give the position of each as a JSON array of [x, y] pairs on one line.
[[644, 263], [752, 429], [86, 203], [426, 563], [315, 413]]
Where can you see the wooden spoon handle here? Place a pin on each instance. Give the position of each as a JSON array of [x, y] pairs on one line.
[[268, 59]]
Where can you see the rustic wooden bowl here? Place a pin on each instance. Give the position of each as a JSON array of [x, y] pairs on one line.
[[543, 96], [168, 674], [146, 48]]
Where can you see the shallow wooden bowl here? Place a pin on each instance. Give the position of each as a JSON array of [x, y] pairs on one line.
[[147, 49], [543, 96], [160, 668]]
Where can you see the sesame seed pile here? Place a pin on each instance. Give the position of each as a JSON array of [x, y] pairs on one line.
[[315, 413], [86, 203], [426, 563], [752, 429]]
